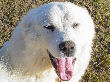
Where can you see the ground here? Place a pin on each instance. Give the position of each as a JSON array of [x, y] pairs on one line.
[[11, 11]]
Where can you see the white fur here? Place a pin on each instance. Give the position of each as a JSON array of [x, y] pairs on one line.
[[24, 58]]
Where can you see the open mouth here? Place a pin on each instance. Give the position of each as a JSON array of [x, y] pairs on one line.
[[63, 66]]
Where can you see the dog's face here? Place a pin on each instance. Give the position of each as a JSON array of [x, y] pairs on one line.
[[63, 30]]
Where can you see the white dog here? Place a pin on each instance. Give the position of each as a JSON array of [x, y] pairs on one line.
[[52, 42]]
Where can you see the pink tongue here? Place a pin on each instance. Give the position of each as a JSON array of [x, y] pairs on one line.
[[65, 67]]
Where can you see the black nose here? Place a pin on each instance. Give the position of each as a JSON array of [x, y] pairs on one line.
[[67, 47]]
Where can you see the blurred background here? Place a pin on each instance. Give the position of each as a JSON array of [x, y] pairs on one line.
[[12, 11]]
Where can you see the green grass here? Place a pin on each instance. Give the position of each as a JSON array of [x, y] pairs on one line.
[[11, 12]]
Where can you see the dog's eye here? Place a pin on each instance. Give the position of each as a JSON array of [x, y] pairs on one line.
[[75, 25], [50, 27]]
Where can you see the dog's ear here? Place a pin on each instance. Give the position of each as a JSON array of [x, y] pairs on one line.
[[26, 26]]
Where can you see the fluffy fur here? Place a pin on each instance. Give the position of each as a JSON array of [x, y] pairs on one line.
[[25, 59]]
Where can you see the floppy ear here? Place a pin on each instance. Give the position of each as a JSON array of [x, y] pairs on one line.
[[26, 26]]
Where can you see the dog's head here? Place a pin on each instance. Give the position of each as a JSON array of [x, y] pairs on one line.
[[62, 29]]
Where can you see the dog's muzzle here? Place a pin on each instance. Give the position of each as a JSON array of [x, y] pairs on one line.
[[63, 66]]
